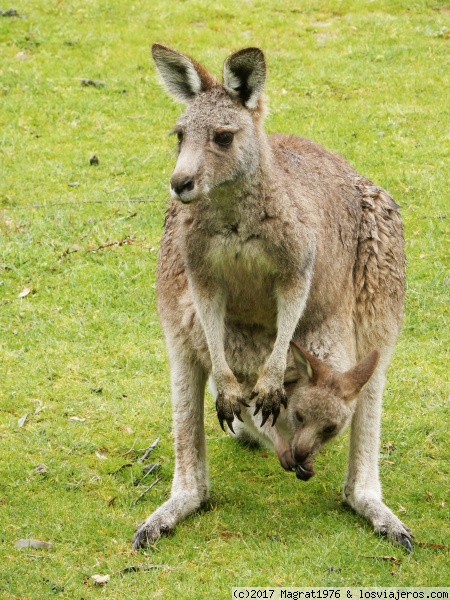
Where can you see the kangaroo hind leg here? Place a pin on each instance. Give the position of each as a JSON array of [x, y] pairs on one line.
[[190, 486], [362, 490]]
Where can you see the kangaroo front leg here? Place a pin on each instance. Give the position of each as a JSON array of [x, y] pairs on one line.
[[362, 489], [269, 390], [210, 304], [190, 482]]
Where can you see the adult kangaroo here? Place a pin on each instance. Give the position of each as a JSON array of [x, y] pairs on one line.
[[268, 238]]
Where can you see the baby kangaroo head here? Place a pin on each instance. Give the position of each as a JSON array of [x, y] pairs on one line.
[[321, 403], [219, 132]]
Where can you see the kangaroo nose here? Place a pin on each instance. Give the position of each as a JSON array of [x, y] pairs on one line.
[[181, 184], [300, 456]]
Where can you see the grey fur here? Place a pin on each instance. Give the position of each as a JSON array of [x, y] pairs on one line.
[[268, 238]]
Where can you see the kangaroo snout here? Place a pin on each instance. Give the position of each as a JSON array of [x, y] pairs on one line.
[[304, 472], [180, 187], [303, 463], [301, 455]]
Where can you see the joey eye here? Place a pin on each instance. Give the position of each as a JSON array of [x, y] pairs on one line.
[[223, 138], [299, 417], [329, 430]]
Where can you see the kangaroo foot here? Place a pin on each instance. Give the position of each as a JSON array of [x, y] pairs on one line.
[[384, 521], [398, 533], [164, 519]]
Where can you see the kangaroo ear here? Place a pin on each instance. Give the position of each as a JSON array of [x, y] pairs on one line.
[[351, 382], [244, 75], [182, 76], [309, 367]]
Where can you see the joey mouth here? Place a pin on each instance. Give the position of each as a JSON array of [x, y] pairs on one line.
[[304, 472]]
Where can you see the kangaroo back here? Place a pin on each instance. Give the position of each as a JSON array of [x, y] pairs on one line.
[[379, 272]]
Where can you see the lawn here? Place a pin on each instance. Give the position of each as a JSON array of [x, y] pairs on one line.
[[84, 379]]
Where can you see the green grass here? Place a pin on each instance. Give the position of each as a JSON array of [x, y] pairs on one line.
[[369, 80]]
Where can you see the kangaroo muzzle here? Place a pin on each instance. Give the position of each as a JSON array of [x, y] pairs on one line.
[[304, 469], [304, 472]]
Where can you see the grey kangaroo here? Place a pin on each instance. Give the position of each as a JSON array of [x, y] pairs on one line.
[[268, 238]]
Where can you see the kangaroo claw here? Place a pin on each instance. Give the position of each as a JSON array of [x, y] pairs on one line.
[[275, 413], [399, 537], [265, 415], [230, 425], [269, 403], [229, 422], [227, 408], [406, 543], [221, 422]]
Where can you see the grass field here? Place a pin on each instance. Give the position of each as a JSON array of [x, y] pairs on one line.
[[84, 381]]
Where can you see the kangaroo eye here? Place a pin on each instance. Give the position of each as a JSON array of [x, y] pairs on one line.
[[330, 429], [180, 136], [223, 139], [299, 417]]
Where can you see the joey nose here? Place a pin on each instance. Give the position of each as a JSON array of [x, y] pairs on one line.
[[300, 456], [182, 184]]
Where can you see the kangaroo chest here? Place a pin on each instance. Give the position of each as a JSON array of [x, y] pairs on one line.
[[233, 255], [239, 261], [231, 243]]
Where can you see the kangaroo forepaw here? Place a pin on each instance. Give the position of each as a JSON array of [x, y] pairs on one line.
[[269, 403], [227, 408]]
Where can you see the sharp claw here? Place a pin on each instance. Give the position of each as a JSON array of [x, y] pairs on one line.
[[253, 394], [284, 401], [406, 543], [243, 402], [221, 423], [266, 415], [238, 416], [140, 540], [230, 425], [257, 409], [275, 417]]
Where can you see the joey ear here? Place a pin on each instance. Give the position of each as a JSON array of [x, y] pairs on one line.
[[308, 366], [244, 75], [182, 76], [351, 382]]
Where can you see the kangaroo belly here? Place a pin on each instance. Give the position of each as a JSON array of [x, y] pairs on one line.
[[247, 349]]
